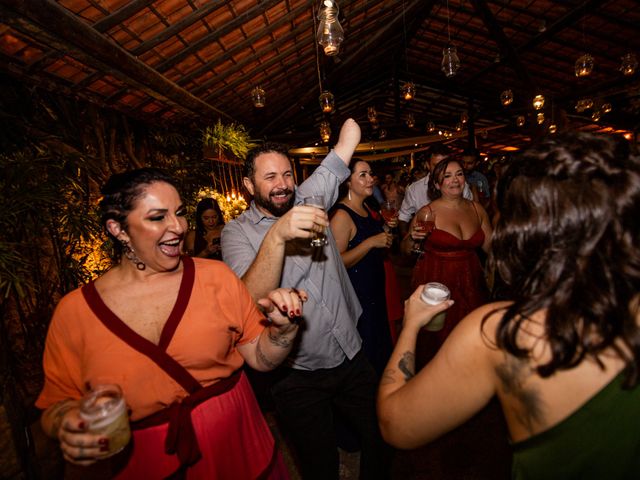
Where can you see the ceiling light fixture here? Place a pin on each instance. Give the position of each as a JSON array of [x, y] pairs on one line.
[[506, 98], [538, 102], [372, 114], [629, 64], [409, 88], [584, 63], [330, 33], [450, 60], [326, 101], [325, 131]]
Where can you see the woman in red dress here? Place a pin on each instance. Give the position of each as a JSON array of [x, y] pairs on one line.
[[449, 247]]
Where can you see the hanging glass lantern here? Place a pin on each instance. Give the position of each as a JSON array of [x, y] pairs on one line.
[[606, 107], [629, 64], [411, 121], [330, 33], [326, 101], [588, 103], [458, 127], [325, 131], [382, 134], [584, 65], [595, 116], [450, 61], [431, 127], [258, 97], [540, 118], [553, 128], [464, 117], [506, 98], [408, 90], [580, 106], [372, 114], [520, 120], [538, 102]]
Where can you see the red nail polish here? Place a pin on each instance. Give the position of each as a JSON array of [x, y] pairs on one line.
[[284, 308], [103, 442], [81, 425], [298, 312]]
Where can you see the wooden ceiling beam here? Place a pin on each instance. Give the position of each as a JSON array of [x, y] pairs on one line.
[[127, 11], [39, 17]]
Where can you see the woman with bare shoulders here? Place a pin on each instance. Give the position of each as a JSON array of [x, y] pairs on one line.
[[563, 355], [449, 230]]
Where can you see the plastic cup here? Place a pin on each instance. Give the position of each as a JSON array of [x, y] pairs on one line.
[[435, 293], [105, 411]]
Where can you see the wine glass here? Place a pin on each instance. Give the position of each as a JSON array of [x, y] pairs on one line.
[[425, 222], [389, 211]]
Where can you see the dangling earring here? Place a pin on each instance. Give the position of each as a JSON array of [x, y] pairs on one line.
[[131, 255], [349, 194]]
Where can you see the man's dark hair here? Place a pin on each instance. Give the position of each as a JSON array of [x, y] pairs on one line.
[[248, 169], [439, 149]]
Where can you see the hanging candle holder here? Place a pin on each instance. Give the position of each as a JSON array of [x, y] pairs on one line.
[[411, 121], [538, 102], [258, 97], [464, 117], [540, 118], [326, 101], [553, 128], [606, 107], [408, 91], [382, 134], [520, 120], [459, 127], [506, 98], [330, 33], [431, 127], [372, 114], [450, 61], [629, 63], [325, 131], [595, 115], [584, 65]]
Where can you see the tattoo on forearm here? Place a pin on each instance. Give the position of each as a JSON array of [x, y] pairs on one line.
[[512, 374], [278, 340], [388, 377], [407, 365], [263, 358]]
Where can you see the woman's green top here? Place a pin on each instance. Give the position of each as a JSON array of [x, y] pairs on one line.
[[601, 440]]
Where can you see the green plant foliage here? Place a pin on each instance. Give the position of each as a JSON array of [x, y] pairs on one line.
[[231, 139]]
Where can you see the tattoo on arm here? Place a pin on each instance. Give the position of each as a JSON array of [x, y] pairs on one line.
[[512, 374], [388, 377], [263, 358], [278, 340], [407, 365]]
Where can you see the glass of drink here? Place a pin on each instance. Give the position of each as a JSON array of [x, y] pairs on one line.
[[425, 222], [435, 293], [318, 239], [389, 211], [104, 410]]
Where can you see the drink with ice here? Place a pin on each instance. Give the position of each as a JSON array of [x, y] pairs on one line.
[[435, 293]]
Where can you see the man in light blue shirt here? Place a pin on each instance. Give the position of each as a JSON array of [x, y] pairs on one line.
[[269, 246]]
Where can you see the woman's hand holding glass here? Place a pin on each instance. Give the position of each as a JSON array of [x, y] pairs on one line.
[[389, 211], [423, 224]]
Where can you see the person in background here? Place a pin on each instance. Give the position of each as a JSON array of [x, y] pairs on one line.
[[269, 245], [392, 190], [204, 241], [363, 245], [416, 195], [172, 332], [563, 355], [476, 179], [450, 249], [378, 196]]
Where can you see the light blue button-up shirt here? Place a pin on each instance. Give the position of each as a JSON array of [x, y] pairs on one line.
[[329, 333]]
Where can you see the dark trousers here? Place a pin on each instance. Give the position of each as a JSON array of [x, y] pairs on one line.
[[306, 402]]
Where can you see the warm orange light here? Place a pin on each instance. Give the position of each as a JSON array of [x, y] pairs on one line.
[[510, 149]]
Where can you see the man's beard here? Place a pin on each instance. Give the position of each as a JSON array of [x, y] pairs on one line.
[[277, 210]]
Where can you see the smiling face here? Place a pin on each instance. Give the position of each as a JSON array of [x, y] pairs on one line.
[[155, 227], [272, 184], [361, 180], [451, 181]]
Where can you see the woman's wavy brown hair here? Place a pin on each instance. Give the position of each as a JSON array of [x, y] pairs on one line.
[[567, 243]]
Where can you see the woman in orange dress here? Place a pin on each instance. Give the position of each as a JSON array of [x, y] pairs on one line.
[[173, 332]]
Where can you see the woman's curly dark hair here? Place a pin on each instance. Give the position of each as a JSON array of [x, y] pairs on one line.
[[120, 193], [567, 243]]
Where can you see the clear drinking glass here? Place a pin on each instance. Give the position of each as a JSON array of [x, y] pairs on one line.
[[318, 239], [426, 222], [105, 411], [435, 293], [388, 210]]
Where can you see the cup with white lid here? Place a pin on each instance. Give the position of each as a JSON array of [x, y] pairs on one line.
[[435, 293]]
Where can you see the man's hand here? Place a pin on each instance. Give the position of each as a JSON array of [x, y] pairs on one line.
[[300, 222]]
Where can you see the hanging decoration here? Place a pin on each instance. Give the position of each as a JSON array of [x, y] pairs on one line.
[[628, 64], [431, 127], [553, 128], [584, 65], [411, 121], [538, 102], [330, 33], [258, 97], [382, 134], [326, 101], [372, 114], [540, 118], [595, 115], [520, 120], [450, 61], [606, 107], [408, 90], [506, 98], [325, 131], [464, 117], [458, 127]]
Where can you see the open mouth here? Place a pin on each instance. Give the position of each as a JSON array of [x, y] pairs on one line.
[[171, 248]]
